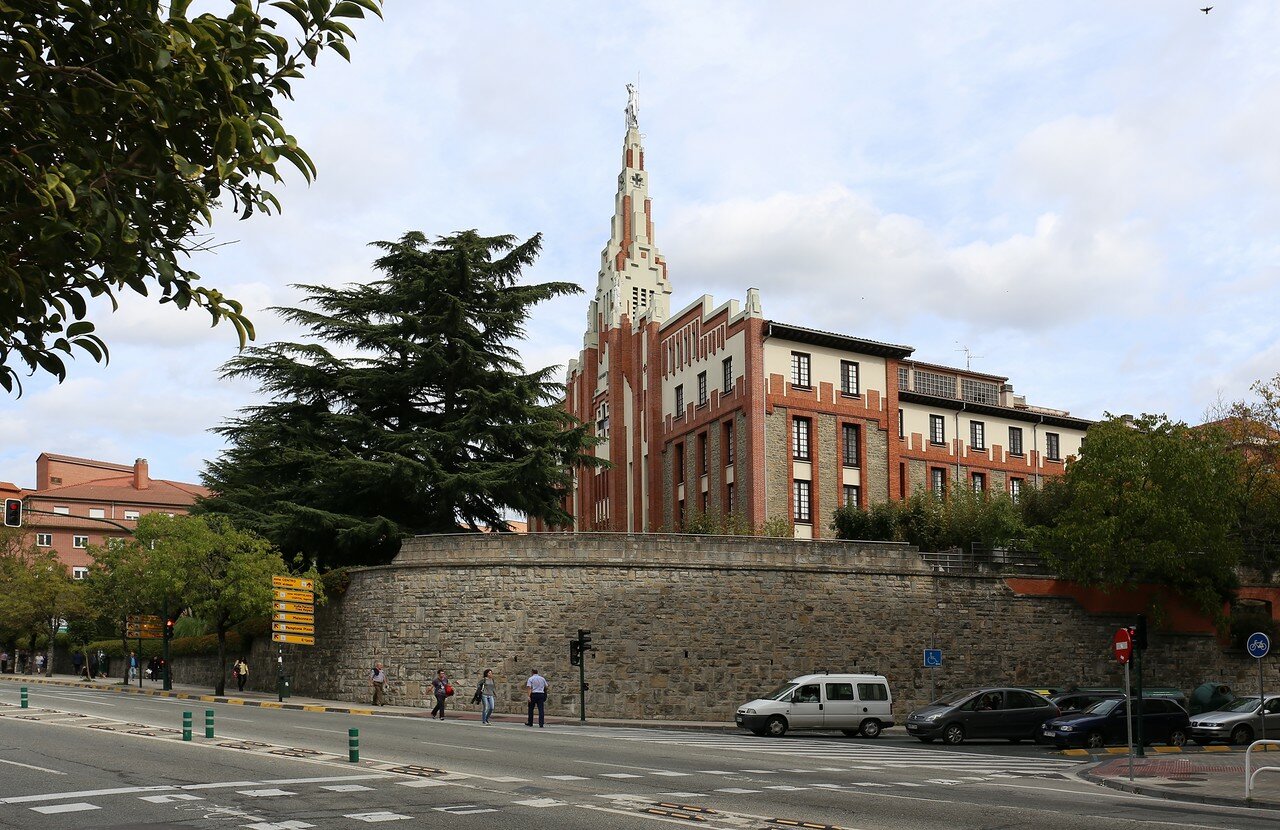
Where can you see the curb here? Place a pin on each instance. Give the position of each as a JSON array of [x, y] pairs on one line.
[[1170, 795], [1101, 754]]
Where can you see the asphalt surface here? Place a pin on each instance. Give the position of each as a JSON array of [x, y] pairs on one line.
[[73, 760]]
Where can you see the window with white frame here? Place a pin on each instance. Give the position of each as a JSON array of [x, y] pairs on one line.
[[1015, 440], [977, 435], [727, 366], [602, 420], [44, 540], [702, 388], [1052, 446], [848, 377], [938, 481], [62, 511], [680, 400], [1015, 488], [97, 513], [800, 431], [79, 541], [937, 429], [801, 508], [132, 515], [800, 369], [852, 495], [849, 435], [979, 483], [79, 572]]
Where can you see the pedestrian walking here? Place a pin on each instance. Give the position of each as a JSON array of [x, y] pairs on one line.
[[378, 679], [240, 671], [133, 666], [442, 690], [4, 662], [77, 663], [153, 669], [537, 688], [40, 663], [486, 695]]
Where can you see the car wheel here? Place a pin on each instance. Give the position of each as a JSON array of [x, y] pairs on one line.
[[1178, 737], [953, 734], [776, 726], [925, 740], [870, 728], [1242, 734], [849, 733], [1094, 740]]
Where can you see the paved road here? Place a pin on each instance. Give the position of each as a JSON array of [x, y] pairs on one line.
[[84, 758]]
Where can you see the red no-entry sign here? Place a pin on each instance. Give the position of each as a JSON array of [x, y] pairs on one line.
[[1123, 645]]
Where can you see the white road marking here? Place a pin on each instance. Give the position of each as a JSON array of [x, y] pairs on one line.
[[671, 774], [618, 775], [317, 729], [505, 779], [423, 782], [726, 772], [681, 795], [376, 817], [170, 798], [347, 788], [735, 790], [29, 766], [66, 808], [567, 777], [325, 780], [28, 799], [539, 802], [455, 746], [220, 785], [464, 809], [268, 793], [281, 825]]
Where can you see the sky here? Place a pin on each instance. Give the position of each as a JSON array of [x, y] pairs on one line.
[[1083, 195]]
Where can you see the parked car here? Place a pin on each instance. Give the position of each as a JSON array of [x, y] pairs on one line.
[[986, 713], [1237, 722], [855, 704], [1081, 699], [1163, 721]]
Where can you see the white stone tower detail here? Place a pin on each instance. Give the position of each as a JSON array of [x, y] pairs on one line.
[[633, 275]]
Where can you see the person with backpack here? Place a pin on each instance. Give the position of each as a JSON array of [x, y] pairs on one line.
[[442, 690]]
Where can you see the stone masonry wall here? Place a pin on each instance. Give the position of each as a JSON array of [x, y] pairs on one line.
[[875, 470], [689, 627]]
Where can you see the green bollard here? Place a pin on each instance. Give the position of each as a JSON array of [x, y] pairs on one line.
[[353, 745], [23, 695], [208, 723], [186, 726]]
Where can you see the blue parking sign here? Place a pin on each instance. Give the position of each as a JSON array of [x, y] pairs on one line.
[[933, 658], [1259, 644]]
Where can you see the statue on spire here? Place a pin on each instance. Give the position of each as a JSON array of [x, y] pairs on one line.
[[633, 107]]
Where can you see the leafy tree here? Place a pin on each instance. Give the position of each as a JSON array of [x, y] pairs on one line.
[[115, 585], [123, 124], [1149, 501], [1253, 429], [40, 595], [933, 524], [407, 411]]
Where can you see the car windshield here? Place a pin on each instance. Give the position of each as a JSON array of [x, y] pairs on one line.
[[953, 698], [1104, 707], [780, 692], [1242, 704]]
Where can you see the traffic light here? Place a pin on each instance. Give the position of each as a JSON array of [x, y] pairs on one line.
[[575, 653], [13, 512], [1140, 633], [168, 629], [584, 640]]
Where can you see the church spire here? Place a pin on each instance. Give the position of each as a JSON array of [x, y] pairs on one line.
[[633, 275]]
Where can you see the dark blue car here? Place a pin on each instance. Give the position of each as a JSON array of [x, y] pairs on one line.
[[1163, 721]]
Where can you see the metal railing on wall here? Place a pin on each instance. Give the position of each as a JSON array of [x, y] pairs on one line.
[[979, 558]]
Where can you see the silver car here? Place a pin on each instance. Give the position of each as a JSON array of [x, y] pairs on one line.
[[1239, 722]]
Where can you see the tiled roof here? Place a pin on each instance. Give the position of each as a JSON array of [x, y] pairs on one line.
[[106, 465], [121, 489]]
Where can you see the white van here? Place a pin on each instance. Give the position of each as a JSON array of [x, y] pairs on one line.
[[856, 704]]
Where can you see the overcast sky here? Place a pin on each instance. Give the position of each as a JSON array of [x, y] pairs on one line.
[[1084, 194]]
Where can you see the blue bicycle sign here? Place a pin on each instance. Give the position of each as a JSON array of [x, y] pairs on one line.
[[1259, 644]]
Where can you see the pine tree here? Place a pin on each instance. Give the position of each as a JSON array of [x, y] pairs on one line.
[[409, 412]]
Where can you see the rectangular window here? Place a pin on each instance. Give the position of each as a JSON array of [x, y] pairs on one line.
[[979, 483], [873, 691], [938, 481], [727, 366], [904, 379], [79, 541], [937, 429], [79, 573], [849, 444], [97, 513], [680, 400], [705, 494], [800, 509], [1052, 446], [728, 498], [702, 453], [840, 691], [800, 438], [702, 388], [44, 540], [848, 377], [852, 495], [1015, 488], [977, 435], [728, 443], [902, 424], [931, 383], [680, 514], [800, 370], [62, 511], [679, 463], [131, 515], [1015, 440]]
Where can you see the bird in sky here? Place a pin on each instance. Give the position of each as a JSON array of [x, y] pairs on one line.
[[1207, 9]]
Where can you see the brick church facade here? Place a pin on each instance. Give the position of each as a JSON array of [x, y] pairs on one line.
[[719, 411]]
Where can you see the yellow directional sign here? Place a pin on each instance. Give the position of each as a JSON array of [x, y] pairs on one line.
[[145, 620], [144, 634], [296, 607], [297, 639], [282, 617], [293, 628], [294, 596], [295, 582]]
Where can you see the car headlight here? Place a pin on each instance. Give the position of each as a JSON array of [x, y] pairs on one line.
[[748, 711], [931, 718], [1064, 728]]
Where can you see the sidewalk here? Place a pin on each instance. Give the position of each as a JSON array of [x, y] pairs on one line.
[[457, 708], [1214, 778]]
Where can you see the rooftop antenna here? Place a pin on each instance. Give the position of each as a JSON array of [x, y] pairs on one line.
[[969, 356]]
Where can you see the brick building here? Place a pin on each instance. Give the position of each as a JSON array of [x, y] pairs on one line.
[[719, 410], [79, 502]]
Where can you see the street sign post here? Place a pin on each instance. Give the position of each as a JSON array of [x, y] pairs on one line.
[[1122, 648], [932, 660], [297, 583], [303, 597], [1259, 646], [292, 619]]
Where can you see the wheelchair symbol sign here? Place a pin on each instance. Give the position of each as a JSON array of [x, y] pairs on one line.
[[933, 658]]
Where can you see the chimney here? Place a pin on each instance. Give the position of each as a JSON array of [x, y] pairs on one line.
[[141, 475]]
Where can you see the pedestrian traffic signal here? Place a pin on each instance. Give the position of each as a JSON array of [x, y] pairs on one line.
[[584, 640], [13, 512], [168, 629], [1140, 633], [575, 653]]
